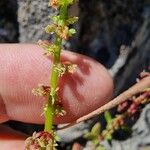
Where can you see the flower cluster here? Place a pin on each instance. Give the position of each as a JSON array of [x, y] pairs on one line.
[[65, 67], [57, 3], [61, 28], [41, 90], [40, 141]]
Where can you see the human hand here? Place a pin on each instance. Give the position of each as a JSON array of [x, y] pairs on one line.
[[23, 67]]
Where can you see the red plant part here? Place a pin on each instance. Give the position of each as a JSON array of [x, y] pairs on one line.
[[123, 107], [40, 140]]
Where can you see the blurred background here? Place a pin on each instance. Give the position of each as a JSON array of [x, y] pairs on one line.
[[115, 33]]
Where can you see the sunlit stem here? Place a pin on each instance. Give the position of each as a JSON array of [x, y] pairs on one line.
[[52, 98]]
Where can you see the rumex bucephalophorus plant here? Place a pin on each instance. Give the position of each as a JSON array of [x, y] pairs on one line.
[[46, 140]]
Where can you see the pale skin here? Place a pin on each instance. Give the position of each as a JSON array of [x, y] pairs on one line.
[[23, 67]]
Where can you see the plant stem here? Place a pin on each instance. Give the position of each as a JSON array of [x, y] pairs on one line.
[[50, 108]]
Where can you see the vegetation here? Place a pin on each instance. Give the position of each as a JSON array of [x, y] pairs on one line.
[[60, 28]]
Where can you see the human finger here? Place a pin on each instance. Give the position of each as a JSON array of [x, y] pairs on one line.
[[23, 67]]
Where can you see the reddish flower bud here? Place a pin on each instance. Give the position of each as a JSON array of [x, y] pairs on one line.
[[123, 106], [133, 109], [39, 141]]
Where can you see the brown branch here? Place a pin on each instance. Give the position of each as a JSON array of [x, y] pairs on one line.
[[135, 89]]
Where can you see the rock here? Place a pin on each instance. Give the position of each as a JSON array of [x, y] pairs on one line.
[[32, 18], [138, 59], [8, 21], [74, 132], [105, 26]]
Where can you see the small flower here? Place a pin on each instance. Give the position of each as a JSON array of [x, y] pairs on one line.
[[40, 140], [60, 68], [54, 3], [48, 47], [41, 90], [60, 29], [63, 32], [123, 107], [143, 75], [59, 111], [120, 120], [65, 67], [50, 28], [71, 20], [133, 109], [58, 21], [44, 44], [70, 67]]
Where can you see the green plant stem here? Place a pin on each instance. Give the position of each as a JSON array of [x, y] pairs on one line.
[[50, 108]]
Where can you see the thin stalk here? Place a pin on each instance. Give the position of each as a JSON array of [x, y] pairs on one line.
[[50, 108]]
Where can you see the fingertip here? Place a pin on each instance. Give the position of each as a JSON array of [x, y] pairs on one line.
[[90, 87]]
